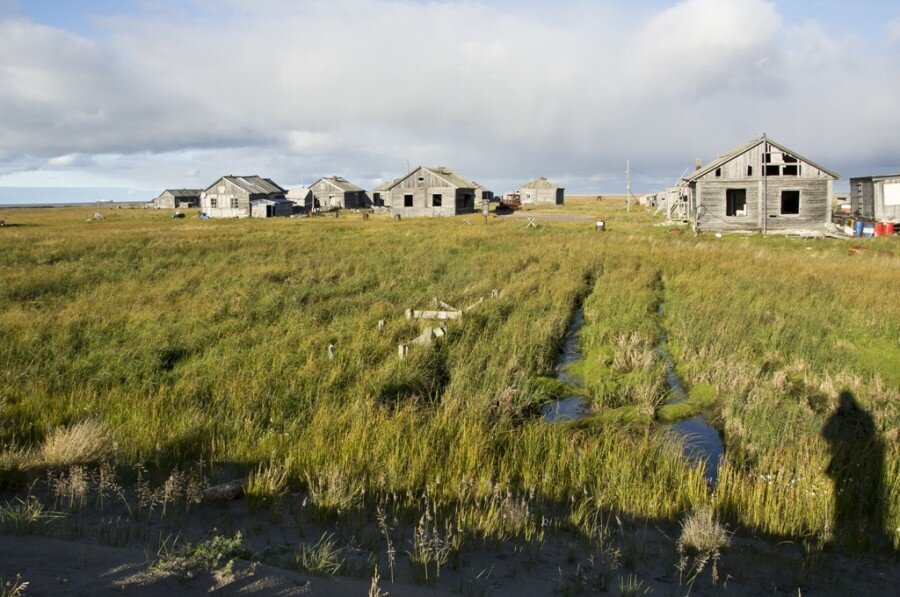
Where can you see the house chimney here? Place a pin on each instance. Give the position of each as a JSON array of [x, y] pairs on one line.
[[698, 163]]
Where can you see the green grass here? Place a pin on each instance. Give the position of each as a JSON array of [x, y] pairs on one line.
[[191, 339]]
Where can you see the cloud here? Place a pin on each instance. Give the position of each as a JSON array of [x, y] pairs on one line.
[[893, 31], [502, 92]]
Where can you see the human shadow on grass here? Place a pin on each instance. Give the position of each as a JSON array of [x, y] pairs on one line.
[[856, 469]]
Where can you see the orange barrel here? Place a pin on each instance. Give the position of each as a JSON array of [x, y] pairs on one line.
[[879, 229], [889, 229]]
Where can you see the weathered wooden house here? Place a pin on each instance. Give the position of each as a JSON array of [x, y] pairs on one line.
[[541, 191], [335, 191], [761, 185], [301, 197], [876, 197], [232, 196], [178, 199], [381, 195], [433, 192]]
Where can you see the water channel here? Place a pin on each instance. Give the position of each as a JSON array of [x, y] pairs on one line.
[[701, 440]]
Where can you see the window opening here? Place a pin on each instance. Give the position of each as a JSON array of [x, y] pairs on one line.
[[736, 202], [790, 202], [436, 200], [407, 200]]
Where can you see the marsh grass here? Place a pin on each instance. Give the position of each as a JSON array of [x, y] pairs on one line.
[[166, 341], [324, 558], [266, 486], [27, 516]]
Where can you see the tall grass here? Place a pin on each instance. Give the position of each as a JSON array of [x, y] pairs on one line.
[[186, 339]]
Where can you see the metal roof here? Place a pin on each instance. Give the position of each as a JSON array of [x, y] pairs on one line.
[[179, 193], [254, 185], [342, 184], [727, 157], [540, 183]]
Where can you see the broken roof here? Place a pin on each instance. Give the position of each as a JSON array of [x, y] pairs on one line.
[[385, 186], [727, 157]]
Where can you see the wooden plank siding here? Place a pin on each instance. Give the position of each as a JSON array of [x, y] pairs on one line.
[[422, 185], [747, 171]]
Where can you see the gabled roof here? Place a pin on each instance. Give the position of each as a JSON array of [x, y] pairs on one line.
[[179, 193], [386, 186], [446, 174], [255, 185], [727, 157], [341, 184], [540, 183]]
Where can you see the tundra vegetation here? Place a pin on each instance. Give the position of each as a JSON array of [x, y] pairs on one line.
[[143, 356]]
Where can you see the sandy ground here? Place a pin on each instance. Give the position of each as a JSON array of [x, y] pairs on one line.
[[56, 567]]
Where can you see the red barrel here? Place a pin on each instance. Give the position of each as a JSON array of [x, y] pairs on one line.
[[889, 229], [879, 229]]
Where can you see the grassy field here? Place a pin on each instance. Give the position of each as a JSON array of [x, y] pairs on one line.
[[175, 340]]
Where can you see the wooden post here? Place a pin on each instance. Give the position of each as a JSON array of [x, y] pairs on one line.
[[601, 226], [365, 215], [396, 217], [331, 352], [403, 350], [381, 324]]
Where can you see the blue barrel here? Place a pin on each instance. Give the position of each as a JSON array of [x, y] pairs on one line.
[[858, 228]]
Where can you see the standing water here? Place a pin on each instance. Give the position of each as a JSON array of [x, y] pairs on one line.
[[701, 440], [570, 408]]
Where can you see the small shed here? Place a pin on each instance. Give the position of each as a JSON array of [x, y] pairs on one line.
[[876, 197], [178, 199], [761, 185], [230, 196], [433, 192], [271, 208], [334, 191], [541, 191]]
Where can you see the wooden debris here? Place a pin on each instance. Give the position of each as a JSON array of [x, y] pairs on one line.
[[381, 324], [331, 352], [225, 492], [427, 338], [531, 223]]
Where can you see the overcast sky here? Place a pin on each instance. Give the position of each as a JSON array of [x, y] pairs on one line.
[[125, 98]]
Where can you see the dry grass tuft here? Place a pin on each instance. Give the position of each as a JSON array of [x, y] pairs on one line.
[[81, 443], [702, 539]]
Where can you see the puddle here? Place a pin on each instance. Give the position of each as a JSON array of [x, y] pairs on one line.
[[700, 439], [570, 408]]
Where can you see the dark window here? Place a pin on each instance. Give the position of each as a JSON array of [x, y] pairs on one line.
[[214, 203], [789, 159], [436, 200], [790, 202], [767, 158], [718, 172], [407, 200], [773, 170], [468, 200], [792, 170], [234, 203], [749, 170], [376, 199], [736, 202]]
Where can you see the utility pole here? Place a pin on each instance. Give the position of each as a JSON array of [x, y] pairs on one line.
[[628, 182]]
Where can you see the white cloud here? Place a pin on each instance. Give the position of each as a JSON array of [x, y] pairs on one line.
[[502, 92], [893, 31]]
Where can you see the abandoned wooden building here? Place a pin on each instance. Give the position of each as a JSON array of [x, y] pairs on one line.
[[876, 197], [337, 192], [178, 199], [761, 185], [381, 195], [433, 192], [541, 191], [301, 197], [243, 196]]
